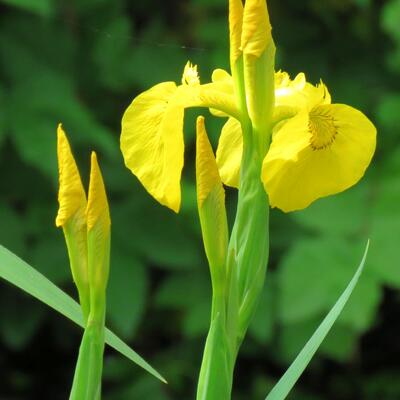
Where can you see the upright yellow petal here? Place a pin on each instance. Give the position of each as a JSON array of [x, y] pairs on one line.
[[298, 93], [97, 212], [207, 174], [256, 30], [98, 234], [317, 154], [71, 195], [152, 142], [71, 217], [211, 206], [235, 29]]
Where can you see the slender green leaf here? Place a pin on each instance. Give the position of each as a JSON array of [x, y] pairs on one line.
[[288, 380], [22, 275]]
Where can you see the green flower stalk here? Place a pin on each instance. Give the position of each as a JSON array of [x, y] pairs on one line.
[[86, 226]]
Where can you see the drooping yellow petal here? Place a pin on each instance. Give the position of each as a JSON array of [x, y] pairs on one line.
[[152, 131], [211, 206], [98, 234], [71, 194], [235, 29], [256, 29], [317, 154], [152, 142], [229, 152]]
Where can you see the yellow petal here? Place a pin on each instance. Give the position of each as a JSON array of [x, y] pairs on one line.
[[235, 28], [72, 217], [97, 212], [256, 30], [98, 224], [218, 96], [71, 195], [317, 154], [152, 142], [222, 82], [211, 206], [298, 93], [229, 152]]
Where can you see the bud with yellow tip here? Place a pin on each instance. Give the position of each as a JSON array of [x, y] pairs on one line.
[[211, 207], [71, 217], [98, 236]]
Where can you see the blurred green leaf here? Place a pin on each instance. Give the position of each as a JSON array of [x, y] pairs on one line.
[[390, 18], [190, 293], [141, 388], [384, 227], [388, 113], [262, 325], [15, 331], [44, 8], [319, 269], [112, 54], [341, 342], [126, 293], [49, 256], [343, 214], [11, 228], [158, 234]]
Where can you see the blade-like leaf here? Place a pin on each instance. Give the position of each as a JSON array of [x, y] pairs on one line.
[[25, 277], [290, 377]]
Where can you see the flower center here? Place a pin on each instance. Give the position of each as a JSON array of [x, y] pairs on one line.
[[322, 128], [190, 75]]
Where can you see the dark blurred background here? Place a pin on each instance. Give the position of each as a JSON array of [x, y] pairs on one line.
[[81, 62]]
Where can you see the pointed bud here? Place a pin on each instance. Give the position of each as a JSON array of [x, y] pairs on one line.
[[98, 234], [235, 29], [256, 30], [211, 206], [72, 218], [259, 70], [71, 194]]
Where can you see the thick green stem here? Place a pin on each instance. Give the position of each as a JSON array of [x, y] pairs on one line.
[[88, 371], [215, 380]]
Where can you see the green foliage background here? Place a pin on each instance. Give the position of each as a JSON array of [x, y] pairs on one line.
[[81, 62]]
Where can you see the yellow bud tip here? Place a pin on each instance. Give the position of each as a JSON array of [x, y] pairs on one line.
[[190, 75], [71, 195], [97, 207], [256, 30], [207, 175], [235, 28]]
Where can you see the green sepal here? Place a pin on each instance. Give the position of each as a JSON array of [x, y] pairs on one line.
[[99, 242], [75, 238]]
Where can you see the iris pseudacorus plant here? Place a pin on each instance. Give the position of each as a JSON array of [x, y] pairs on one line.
[[284, 144]]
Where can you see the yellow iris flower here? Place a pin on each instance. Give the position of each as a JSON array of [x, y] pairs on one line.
[[317, 149], [320, 150]]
